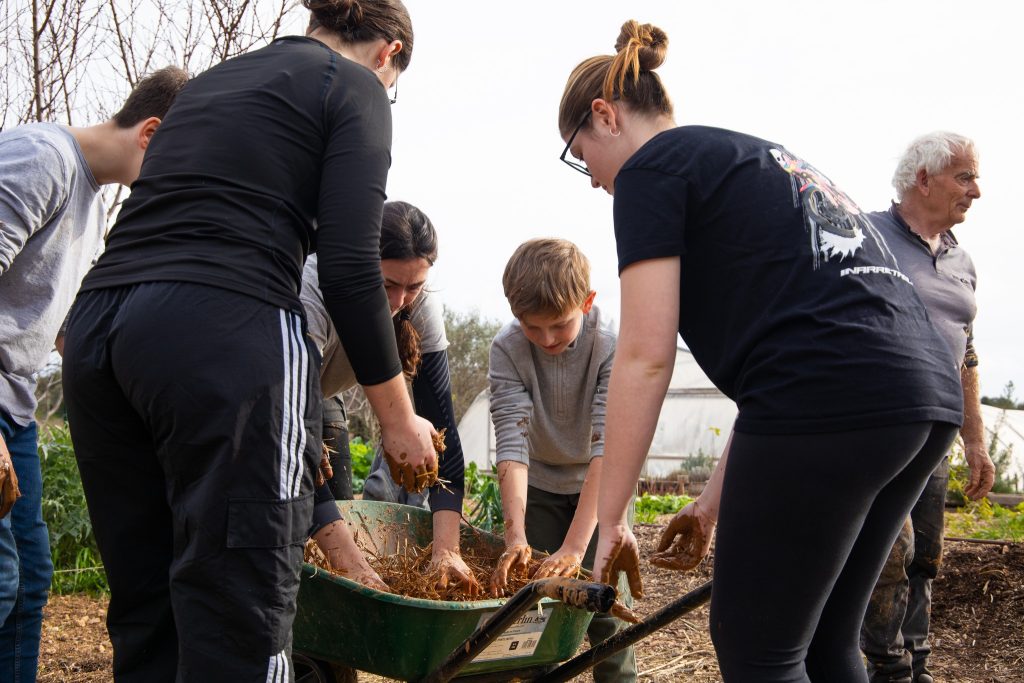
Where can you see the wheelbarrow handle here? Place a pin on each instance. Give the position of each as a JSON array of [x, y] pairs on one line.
[[666, 615], [594, 597]]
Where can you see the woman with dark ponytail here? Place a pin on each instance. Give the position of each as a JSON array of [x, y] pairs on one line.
[[794, 306], [192, 389], [408, 249]]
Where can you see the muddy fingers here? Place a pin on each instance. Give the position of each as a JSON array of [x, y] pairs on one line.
[[9, 491]]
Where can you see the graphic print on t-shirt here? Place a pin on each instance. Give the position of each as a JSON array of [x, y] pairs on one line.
[[836, 224]]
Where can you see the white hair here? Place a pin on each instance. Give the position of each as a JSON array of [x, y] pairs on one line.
[[933, 153]]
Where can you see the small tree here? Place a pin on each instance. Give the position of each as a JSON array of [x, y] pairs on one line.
[[469, 339], [1006, 401]]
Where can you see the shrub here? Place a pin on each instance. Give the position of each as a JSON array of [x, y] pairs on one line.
[[76, 558], [984, 519], [362, 457], [648, 506], [483, 500]]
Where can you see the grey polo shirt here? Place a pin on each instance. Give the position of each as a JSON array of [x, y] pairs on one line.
[[945, 281]]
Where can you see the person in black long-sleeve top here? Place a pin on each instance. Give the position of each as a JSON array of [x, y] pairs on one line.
[[408, 249], [191, 388]]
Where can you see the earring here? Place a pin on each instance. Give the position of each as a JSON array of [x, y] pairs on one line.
[[615, 133]]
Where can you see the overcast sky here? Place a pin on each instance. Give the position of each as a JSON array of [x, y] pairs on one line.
[[845, 85]]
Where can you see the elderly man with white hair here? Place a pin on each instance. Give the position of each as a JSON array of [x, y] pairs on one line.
[[936, 181]]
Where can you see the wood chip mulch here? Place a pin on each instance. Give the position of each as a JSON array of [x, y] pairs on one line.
[[978, 624]]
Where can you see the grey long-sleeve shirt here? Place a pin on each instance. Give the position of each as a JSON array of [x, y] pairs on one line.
[[548, 411], [52, 221]]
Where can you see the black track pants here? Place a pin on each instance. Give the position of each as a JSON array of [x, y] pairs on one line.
[[805, 525], [195, 415]]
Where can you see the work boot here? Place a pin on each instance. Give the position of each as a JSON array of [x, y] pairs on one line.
[[924, 677]]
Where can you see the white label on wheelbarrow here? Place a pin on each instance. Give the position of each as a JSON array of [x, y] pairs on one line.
[[520, 639]]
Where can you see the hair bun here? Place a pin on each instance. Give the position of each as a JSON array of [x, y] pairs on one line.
[[337, 15], [647, 41]]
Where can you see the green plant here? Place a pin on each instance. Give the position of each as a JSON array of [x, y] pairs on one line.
[[984, 519], [362, 457], [648, 506], [483, 500], [76, 558]]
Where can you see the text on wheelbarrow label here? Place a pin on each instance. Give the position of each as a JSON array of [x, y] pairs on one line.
[[520, 639]]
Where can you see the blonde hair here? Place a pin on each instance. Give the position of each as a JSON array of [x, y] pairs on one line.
[[628, 76], [546, 276]]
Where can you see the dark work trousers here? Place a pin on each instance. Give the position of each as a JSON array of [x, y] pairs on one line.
[[805, 525], [548, 516], [335, 433], [195, 416], [894, 636]]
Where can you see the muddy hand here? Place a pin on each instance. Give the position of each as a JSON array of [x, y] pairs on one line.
[[367, 577], [559, 564], [451, 568], [325, 472], [515, 560], [620, 611], [617, 552], [685, 541], [983, 473], [9, 491], [344, 557], [410, 454]]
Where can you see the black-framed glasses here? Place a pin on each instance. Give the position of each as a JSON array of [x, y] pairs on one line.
[[578, 165], [393, 91]]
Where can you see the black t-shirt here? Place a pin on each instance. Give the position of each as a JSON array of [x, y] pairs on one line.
[[790, 299], [261, 160]]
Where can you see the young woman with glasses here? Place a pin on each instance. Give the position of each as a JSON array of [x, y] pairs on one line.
[[408, 250], [794, 306], [191, 386]]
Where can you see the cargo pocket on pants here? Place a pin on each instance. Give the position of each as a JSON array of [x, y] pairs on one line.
[[261, 523]]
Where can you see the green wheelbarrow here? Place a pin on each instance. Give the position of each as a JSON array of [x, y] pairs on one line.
[[342, 625]]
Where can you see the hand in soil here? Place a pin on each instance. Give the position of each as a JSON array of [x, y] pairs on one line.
[[685, 541], [515, 560], [617, 552], [450, 568], [562, 563], [9, 491], [340, 552]]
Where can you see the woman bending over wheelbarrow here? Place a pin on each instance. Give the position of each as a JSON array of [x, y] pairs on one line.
[[793, 305], [191, 388], [408, 249]]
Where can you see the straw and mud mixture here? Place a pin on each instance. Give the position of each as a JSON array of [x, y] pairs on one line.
[[407, 572]]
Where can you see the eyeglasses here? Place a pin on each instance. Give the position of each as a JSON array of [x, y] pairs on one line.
[[578, 165], [393, 91]]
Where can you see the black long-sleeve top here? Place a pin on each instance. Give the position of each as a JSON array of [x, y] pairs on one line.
[[261, 160], [432, 392]]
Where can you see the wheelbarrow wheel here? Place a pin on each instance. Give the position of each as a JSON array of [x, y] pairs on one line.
[[309, 670]]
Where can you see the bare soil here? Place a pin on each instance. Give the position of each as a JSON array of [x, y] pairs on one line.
[[977, 621]]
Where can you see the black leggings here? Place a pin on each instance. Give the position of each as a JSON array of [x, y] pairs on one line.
[[805, 525]]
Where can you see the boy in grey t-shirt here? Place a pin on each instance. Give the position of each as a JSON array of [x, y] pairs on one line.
[[52, 222], [548, 376]]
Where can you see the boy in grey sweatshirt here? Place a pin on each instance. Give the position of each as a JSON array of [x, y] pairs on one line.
[[52, 224], [548, 377]]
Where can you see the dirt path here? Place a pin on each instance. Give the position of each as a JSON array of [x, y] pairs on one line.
[[978, 624]]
